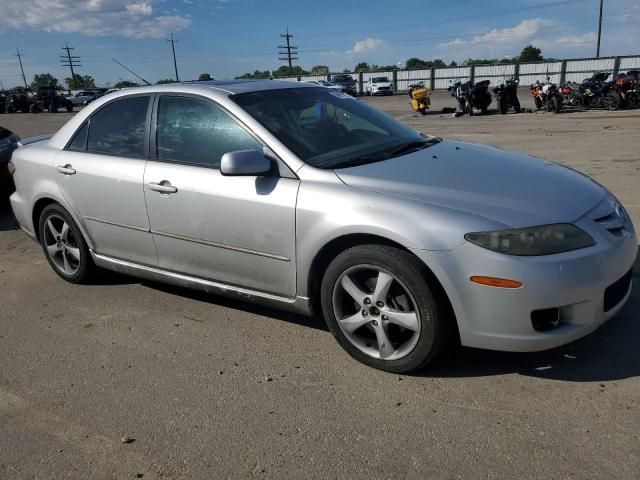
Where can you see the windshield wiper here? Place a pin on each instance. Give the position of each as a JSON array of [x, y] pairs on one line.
[[413, 147], [401, 150]]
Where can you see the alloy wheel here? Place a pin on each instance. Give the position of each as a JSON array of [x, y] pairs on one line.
[[376, 312], [61, 245]]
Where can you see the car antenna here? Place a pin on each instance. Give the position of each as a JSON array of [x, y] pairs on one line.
[[131, 71]]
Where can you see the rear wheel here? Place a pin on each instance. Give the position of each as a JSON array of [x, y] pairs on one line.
[[423, 110], [69, 107], [64, 245], [555, 104], [52, 108], [378, 304]]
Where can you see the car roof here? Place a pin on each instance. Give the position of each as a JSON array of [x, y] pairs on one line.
[[236, 86]]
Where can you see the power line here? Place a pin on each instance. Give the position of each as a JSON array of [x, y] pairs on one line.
[[290, 51], [173, 49], [19, 55], [599, 31], [70, 61]]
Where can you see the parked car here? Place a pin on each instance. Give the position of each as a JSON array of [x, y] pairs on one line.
[[3, 101], [20, 99], [52, 100], [290, 195], [8, 143], [84, 97], [379, 86], [346, 82], [324, 83]]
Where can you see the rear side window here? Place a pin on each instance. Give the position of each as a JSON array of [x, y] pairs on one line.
[[79, 142], [197, 132], [119, 128]]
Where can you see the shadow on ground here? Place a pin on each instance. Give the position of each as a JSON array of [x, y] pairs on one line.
[[7, 220], [610, 353]]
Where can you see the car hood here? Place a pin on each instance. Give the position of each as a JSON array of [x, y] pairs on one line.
[[510, 188], [381, 84]]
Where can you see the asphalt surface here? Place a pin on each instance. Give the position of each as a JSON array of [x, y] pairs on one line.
[[210, 388]]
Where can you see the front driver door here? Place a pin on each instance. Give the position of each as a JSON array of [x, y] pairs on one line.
[[234, 230]]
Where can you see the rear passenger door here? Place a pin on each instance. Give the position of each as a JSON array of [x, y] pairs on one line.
[[101, 172], [234, 230]]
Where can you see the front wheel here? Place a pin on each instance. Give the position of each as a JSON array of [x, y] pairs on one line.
[[379, 306], [538, 102], [64, 246]]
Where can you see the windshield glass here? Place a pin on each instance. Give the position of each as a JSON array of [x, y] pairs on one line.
[[380, 79], [329, 129]]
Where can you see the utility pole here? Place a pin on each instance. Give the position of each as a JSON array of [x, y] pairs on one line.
[[70, 61], [599, 30], [19, 55], [173, 49], [289, 50]]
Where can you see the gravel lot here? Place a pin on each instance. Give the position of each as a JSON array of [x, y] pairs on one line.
[[210, 388]]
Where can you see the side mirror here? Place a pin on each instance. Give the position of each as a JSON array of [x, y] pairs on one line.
[[248, 163]]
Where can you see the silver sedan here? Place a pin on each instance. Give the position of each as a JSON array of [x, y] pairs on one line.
[[304, 198]]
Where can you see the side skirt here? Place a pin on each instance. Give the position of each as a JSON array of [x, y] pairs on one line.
[[301, 305]]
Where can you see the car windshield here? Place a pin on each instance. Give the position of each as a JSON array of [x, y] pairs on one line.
[[329, 129], [380, 79]]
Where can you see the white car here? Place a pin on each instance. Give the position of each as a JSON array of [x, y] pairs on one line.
[[379, 86], [83, 98], [324, 83]]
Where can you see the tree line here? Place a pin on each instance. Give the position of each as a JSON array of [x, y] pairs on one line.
[[84, 82]]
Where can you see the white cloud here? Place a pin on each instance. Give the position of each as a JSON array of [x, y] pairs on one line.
[[523, 31], [368, 45], [126, 18]]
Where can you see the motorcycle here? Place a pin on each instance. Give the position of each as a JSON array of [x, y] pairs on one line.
[[571, 95], [627, 90], [419, 95], [507, 96], [547, 95], [591, 89], [471, 96]]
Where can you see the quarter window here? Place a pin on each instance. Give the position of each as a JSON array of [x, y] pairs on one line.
[[119, 128], [197, 132], [79, 142]]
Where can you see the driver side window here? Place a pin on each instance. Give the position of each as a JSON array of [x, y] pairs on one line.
[[196, 132]]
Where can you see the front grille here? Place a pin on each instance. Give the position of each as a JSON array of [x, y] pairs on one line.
[[615, 292]]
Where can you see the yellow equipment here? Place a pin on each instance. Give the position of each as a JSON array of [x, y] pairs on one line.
[[420, 100]]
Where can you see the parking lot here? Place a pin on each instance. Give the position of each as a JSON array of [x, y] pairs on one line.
[[206, 387]]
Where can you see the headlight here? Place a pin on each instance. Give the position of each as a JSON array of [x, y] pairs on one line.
[[543, 240]]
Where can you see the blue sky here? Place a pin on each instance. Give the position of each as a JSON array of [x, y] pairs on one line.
[[229, 37]]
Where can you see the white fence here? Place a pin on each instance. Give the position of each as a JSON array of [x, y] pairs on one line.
[[575, 70]]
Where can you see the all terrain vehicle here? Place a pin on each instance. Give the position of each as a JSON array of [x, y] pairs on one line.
[[52, 100], [20, 99]]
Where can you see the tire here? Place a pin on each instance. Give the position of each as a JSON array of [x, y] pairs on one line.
[[52, 108], [538, 102], [423, 110], [633, 100], [25, 108], [64, 247], [502, 106], [555, 104], [485, 110], [69, 107], [516, 105], [406, 348]]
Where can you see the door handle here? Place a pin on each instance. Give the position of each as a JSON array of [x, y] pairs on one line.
[[66, 169], [163, 187]]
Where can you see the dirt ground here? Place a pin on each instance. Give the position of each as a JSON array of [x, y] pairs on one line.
[[209, 388]]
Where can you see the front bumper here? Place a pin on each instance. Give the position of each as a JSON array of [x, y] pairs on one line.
[[573, 282]]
